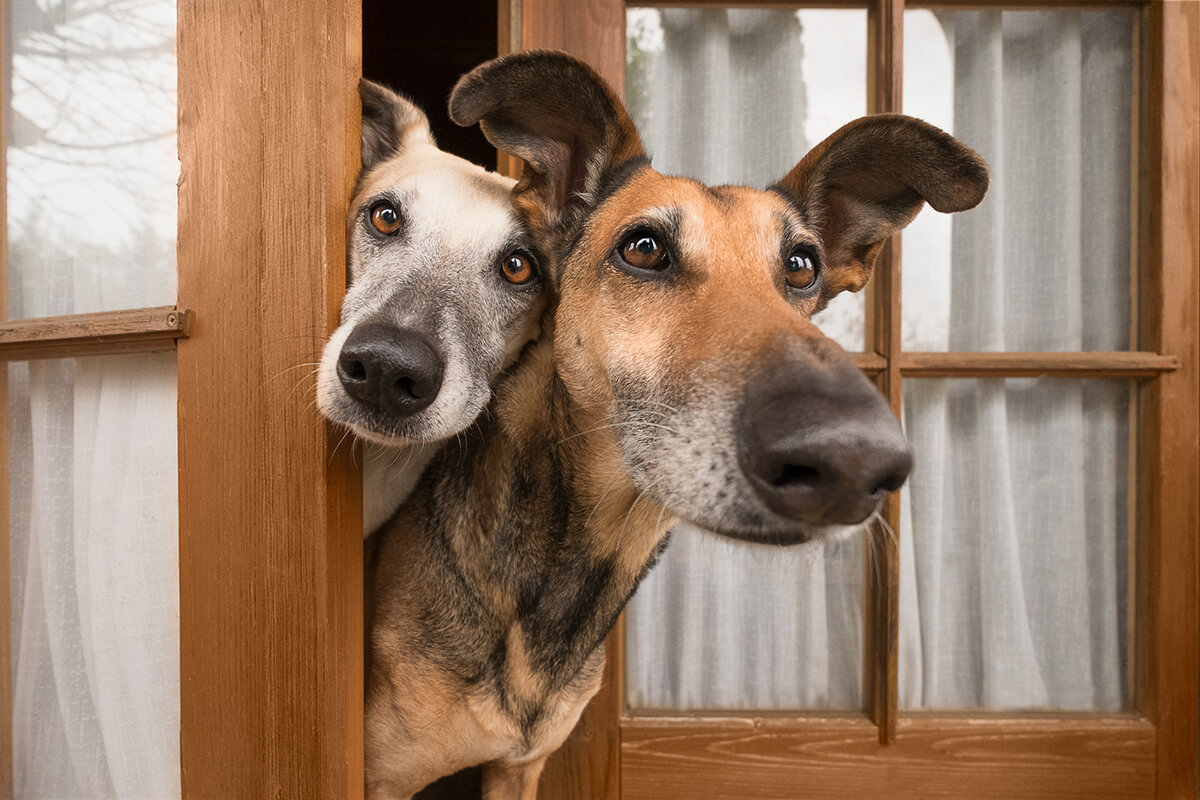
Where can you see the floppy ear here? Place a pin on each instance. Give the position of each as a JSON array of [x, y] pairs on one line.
[[554, 112], [390, 122], [869, 179]]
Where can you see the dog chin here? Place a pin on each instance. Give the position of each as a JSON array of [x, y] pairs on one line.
[[422, 428], [782, 533]]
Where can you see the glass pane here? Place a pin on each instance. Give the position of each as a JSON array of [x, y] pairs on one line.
[[722, 624], [92, 163], [1014, 545], [1044, 263], [95, 577], [91, 197], [740, 95]]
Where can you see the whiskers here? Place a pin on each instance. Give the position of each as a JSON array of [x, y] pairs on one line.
[[880, 538]]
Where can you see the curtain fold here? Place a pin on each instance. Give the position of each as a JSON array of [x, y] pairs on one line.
[[719, 624], [92, 170], [1014, 523], [1017, 506]]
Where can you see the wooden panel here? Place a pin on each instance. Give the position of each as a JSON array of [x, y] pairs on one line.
[[270, 510], [588, 765], [932, 758], [870, 363], [593, 30], [1072, 5], [143, 330], [1169, 474], [1065, 365], [750, 4], [955, 4], [881, 570]]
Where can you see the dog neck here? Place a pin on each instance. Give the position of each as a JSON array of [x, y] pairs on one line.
[[545, 529]]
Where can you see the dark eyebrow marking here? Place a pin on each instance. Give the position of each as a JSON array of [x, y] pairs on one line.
[[611, 182], [721, 195], [794, 236]]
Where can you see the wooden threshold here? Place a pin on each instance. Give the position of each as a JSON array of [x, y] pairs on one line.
[[941, 757], [1024, 5], [139, 330], [1017, 365], [723, 4]]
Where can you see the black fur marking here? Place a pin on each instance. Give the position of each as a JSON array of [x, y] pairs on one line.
[[612, 181]]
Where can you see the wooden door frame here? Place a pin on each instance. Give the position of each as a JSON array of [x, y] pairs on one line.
[[270, 506], [1149, 753]]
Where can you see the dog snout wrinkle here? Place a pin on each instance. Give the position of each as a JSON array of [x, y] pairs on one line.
[[820, 445], [390, 369]]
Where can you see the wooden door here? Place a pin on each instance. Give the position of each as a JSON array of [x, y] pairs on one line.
[[270, 506], [1149, 751]]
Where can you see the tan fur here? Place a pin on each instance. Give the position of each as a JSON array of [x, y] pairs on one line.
[[500, 577]]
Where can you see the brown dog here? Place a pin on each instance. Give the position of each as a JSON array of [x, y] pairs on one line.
[[681, 379]]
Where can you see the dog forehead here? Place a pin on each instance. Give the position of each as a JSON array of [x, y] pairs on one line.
[[446, 196], [711, 224]]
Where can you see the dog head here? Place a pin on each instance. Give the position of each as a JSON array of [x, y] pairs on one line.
[[684, 308], [445, 286]]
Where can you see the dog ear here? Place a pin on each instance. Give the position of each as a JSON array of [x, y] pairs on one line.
[[869, 179], [390, 122], [554, 112]]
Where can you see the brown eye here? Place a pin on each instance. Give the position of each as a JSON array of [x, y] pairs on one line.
[[642, 251], [517, 268], [800, 269], [385, 219]]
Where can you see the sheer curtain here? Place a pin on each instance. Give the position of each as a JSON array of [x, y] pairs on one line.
[[718, 95], [1014, 525], [1014, 574], [92, 169]]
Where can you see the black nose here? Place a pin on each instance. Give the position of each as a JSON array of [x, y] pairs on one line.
[[820, 444], [390, 369]]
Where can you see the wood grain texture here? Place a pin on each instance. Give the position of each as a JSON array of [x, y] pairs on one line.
[[1169, 478], [143, 330], [1008, 759], [940, 4], [593, 30], [587, 767], [1063, 365], [881, 568], [270, 511], [750, 4], [1072, 5], [870, 363]]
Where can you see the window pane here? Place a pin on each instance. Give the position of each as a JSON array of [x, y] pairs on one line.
[[1014, 545], [1044, 263], [95, 609], [723, 624], [739, 96], [92, 163], [91, 198]]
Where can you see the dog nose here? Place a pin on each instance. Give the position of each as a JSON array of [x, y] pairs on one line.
[[820, 444], [390, 369]]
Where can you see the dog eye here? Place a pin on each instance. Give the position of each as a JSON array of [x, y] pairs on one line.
[[800, 269], [641, 250], [517, 268], [385, 219]]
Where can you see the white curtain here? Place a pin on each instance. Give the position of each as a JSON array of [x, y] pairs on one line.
[[718, 96], [1013, 528], [92, 169], [1014, 574]]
